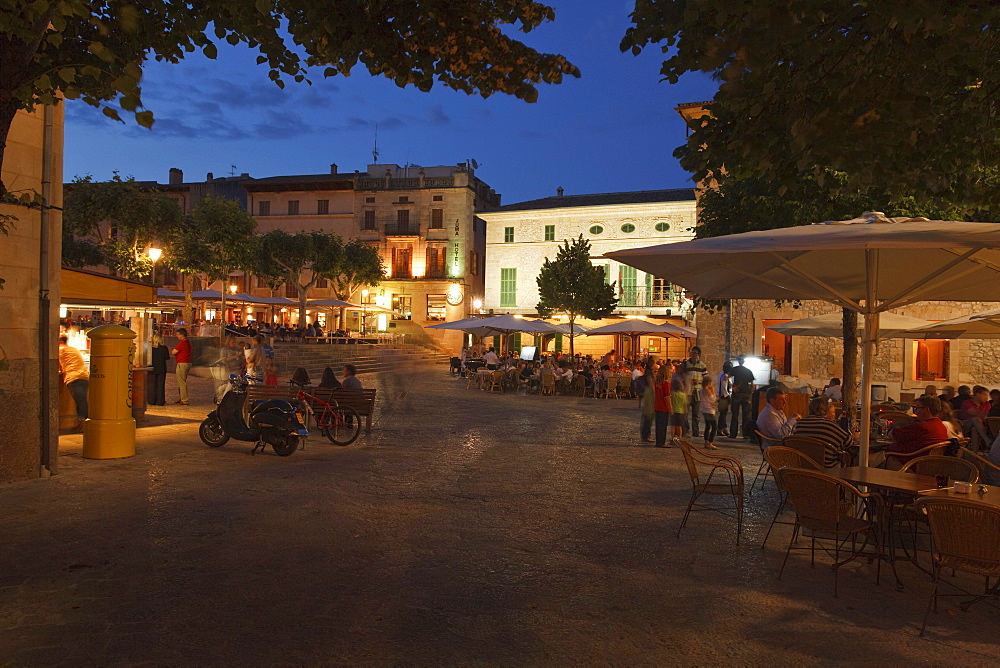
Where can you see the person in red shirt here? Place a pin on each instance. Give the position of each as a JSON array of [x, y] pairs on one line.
[[182, 353], [926, 430], [973, 414], [661, 404]]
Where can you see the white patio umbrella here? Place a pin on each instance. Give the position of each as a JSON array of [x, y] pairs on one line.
[[638, 326], [870, 265], [831, 325], [455, 324], [985, 325]]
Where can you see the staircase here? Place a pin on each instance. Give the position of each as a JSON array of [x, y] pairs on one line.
[[368, 358]]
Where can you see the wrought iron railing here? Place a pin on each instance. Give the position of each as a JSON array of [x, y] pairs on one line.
[[668, 296]]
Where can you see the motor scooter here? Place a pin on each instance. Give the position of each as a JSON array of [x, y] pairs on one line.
[[273, 422]]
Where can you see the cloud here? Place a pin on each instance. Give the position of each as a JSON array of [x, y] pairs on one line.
[[277, 125], [195, 127], [437, 116]]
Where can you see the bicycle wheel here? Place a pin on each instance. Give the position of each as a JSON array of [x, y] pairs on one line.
[[343, 425]]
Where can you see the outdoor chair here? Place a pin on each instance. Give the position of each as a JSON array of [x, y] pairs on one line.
[[548, 385], [716, 475], [896, 460], [764, 470], [992, 426], [611, 387], [579, 385], [833, 510], [989, 472], [953, 467], [495, 381], [965, 536], [811, 447], [778, 457]]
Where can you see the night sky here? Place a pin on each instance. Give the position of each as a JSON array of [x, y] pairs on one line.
[[614, 129]]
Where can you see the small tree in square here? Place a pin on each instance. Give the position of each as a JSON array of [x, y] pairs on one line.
[[571, 284]]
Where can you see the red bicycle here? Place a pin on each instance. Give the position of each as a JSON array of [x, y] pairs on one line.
[[340, 424]]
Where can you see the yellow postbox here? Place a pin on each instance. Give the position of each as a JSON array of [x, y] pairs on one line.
[[109, 432]]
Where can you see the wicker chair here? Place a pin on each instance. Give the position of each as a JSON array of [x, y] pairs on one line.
[[829, 507], [897, 460], [764, 470], [495, 381], [778, 457], [992, 426], [813, 448], [611, 387], [965, 536], [716, 475], [953, 467], [988, 471], [548, 385]]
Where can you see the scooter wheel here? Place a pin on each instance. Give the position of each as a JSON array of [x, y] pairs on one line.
[[211, 432], [290, 445]]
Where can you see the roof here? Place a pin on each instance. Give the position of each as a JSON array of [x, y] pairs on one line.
[[603, 199], [302, 182]]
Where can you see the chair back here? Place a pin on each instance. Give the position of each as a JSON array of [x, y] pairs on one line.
[[548, 381], [812, 448], [900, 458], [819, 497], [953, 467], [690, 461], [612, 383], [965, 534], [780, 456], [993, 426], [988, 471]]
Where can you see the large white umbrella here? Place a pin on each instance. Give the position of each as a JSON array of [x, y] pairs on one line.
[[870, 264], [985, 325], [832, 325], [638, 326]]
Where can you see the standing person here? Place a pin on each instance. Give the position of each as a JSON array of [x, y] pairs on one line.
[[661, 405], [723, 389], [678, 404], [608, 359], [647, 398], [742, 381], [158, 376], [491, 359], [351, 381], [709, 406], [255, 358], [695, 370], [182, 354], [76, 378]]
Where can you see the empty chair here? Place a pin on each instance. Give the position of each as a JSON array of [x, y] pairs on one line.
[[953, 467], [548, 384], [778, 457], [896, 460], [611, 387], [833, 510], [715, 475]]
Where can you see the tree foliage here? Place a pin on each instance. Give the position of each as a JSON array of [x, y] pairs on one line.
[[303, 258], [360, 266], [902, 97], [571, 284], [96, 51], [114, 222]]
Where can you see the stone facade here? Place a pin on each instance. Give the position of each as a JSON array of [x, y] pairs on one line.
[[33, 162]]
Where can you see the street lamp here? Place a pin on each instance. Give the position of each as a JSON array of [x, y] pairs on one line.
[[154, 254], [364, 309], [477, 305], [232, 291]]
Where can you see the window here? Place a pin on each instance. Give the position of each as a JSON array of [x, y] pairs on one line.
[[369, 200], [550, 232], [402, 264], [663, 293], [473, 262], [403, 221], [662, 227], [627, 285], [437, 306], [930, 360], [437, 219], [596, 229], [438, 198], [435, 261], [293, 207], [403, 199], [263, 208], [628, 228], [508, 286], [322, 283], [508, 235], [322, 206], [369, 222], [291, 292]]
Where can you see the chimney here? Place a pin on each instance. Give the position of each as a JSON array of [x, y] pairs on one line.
[[559, 191], [209, 176], [333, 168], [176, 177]]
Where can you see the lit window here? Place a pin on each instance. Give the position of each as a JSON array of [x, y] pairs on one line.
[[930, 360]]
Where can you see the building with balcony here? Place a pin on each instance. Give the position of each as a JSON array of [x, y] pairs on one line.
[[521, 236]]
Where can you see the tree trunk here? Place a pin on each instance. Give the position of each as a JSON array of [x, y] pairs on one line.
[[572, 335], [302, 307], [849, 382]]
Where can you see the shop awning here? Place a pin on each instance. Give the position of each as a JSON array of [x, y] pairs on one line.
[[86, 288]]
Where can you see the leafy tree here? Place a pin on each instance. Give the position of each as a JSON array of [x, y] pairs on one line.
[[215, 240], [571, 284], [96, 51], [899, 96], [113, 223], [303, 258], [359, 266]]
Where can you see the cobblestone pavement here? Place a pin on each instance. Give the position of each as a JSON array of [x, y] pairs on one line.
[[467, 528]]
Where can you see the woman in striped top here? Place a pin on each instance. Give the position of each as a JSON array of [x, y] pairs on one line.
[[820, 425]]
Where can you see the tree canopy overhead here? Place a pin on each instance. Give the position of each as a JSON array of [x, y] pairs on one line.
[[900, 96], [95, 50]]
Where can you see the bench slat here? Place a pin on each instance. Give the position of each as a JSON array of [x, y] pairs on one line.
[[363, 401]]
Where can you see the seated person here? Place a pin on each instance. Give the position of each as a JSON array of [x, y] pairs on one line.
[[833, 390], [820, 425], [772, 421], [951, 423], [973, 414], [930, 391], [926, 430], [964, 394]]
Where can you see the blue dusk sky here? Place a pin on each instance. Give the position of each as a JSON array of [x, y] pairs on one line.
[[612, 130]]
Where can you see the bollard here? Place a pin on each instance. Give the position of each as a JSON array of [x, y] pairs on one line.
[[109, 432]]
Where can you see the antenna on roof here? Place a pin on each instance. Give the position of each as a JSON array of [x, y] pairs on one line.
[[375, 150], [232, 170]]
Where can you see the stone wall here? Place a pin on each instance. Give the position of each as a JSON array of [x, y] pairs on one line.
[[22, 451]]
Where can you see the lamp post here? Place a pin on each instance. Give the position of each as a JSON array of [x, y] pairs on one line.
[[364, 310], [232, 291], [154, 254]]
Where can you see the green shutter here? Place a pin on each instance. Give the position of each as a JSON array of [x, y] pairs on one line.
[[628, 286], [550, 232], [559, 338], [515, 343], [649, 290], [508, 235], [508, 287]]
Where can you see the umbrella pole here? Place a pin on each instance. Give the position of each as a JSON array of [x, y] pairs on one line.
[[867, 361]]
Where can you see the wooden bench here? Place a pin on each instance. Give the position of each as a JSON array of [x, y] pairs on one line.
[[363, 401]]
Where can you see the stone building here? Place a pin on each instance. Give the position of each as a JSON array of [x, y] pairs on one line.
[[30, 258], [521, 236]]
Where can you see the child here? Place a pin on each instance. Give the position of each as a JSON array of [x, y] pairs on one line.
[[662, 406], [709, 406], [678, 405]]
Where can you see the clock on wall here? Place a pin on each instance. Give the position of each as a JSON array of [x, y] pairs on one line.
[[455, 295]]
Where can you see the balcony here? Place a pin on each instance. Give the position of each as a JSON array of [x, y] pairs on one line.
[[656, 297], [407, 230]]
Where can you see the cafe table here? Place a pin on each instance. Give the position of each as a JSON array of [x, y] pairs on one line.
[[991, 497]]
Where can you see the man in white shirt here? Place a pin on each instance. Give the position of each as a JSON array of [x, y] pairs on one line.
[[772, 421], [723, 388], [491, 359]]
